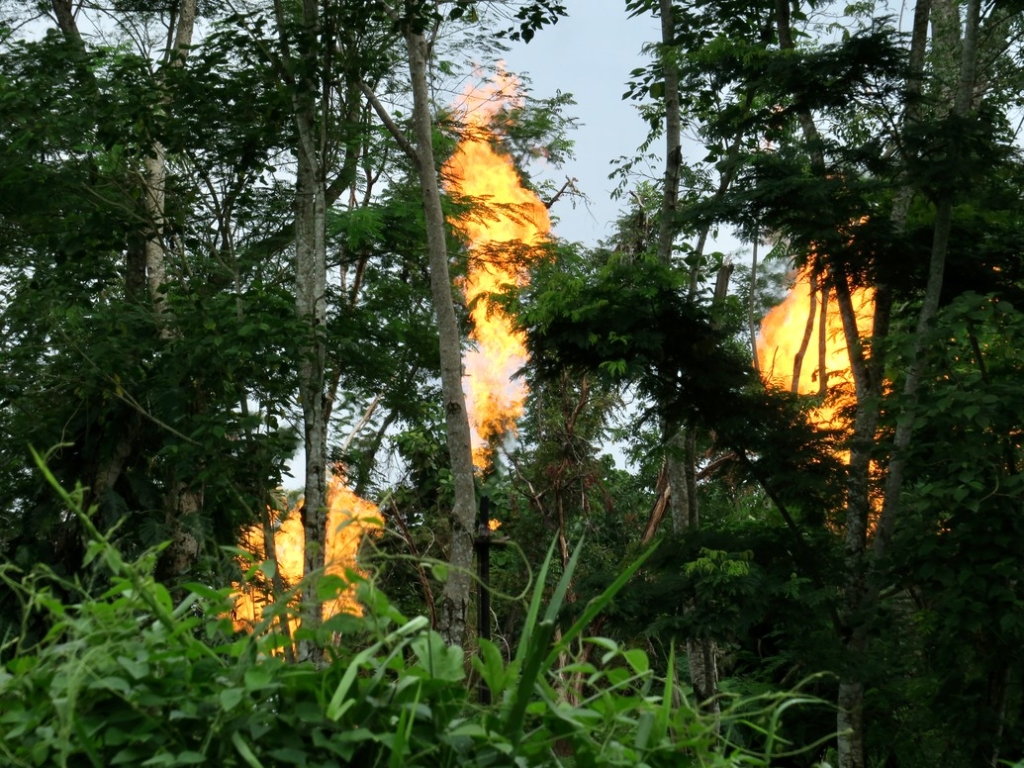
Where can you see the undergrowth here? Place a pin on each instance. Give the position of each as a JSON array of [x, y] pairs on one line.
[[129, 678]]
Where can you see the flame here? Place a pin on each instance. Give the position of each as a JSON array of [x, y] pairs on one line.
[[783, 331], [349, 518], [515, 215]]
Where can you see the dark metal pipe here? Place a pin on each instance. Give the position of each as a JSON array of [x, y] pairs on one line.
[[483, 600]]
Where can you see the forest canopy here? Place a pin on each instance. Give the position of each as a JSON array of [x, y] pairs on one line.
[[760, 447]]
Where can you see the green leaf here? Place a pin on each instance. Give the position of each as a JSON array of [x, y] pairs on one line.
[[637, 659], [137, 669], [289, 755], [163, 758], [338, 705], [442, 662], [257, 679], [189, 757], [230, 698], [129, 755], [244, 750], [111, 683], [595, 606], [491, 667]]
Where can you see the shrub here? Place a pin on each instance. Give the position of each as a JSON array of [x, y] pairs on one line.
[[130, 679]]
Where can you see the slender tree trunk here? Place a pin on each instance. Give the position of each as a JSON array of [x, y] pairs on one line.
[[862, 587], [155, 168], [681, 505], [945, 51], [751, 304], [64, 12], [851, 690], [673, 134], [933, 288], [457, 590], [146, 274], [850, 718], [681, 440], [311, 307], [155, 179], [183, 502], [805, 340]]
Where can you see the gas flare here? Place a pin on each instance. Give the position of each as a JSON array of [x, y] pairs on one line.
[[502, 243], [795, 324], [349, 518]]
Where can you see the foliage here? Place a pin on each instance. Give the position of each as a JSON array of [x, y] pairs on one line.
[[178, 411], [822, 134], [131, 678], [632, 321], [149, 408]]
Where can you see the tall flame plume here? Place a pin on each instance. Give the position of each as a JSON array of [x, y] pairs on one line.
[[514, 215]]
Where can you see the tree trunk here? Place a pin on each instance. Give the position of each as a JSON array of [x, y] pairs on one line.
[[183, 503], [862, 577], [311, 307], [155, 167], [64, 11], [681, 440], [933, 288], [673, 134], [457, 590], [154, 179]]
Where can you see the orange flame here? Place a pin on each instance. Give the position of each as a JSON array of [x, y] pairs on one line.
[[783, 331], [349, 518], [515, 215]]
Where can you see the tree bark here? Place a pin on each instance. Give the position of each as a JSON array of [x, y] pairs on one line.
[[681, 440], [182, 501], [862, 577], [146, 274], [155, 169], [673, 134], [311, 307], [457, 589], [933, 288], [63, 10], [154, 179]]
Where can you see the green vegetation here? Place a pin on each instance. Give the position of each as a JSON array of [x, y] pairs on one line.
[[225, 243], [130, 678]]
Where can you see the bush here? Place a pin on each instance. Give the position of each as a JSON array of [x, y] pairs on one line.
[[130, 679]]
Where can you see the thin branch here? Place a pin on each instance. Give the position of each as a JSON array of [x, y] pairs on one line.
[[390, 124], [801, 543], [428, 594], [570, 183], [367, 415], [798, 361]]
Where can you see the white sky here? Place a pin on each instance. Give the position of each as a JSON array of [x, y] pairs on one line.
[[590, 55]]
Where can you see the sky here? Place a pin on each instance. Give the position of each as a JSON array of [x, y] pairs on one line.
[[590, 55]]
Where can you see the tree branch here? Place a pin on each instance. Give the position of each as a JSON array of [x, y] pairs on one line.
[[390, 124]]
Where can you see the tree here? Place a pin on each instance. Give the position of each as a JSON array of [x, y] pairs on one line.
[[419, 23], [845, 238], [865, 190], [91, 315]]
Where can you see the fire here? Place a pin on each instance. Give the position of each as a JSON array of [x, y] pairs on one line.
[[349, 518], [515, 215], [784, 331]]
